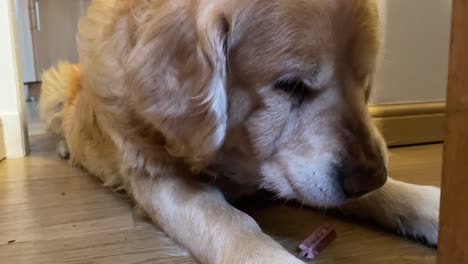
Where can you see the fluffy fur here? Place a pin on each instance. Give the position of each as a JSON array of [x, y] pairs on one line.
[[186, 102]]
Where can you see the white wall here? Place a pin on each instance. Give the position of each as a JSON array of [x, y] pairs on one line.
[[414, 62], [11, 85]]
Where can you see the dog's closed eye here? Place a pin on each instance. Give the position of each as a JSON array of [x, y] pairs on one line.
[[294, 87]]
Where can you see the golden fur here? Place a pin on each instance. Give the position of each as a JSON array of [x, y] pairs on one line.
[[185, 102]]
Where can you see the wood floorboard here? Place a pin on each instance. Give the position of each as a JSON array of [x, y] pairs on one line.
[[53, 213]]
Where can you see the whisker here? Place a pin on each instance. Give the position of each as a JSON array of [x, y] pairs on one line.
[[302, 204]]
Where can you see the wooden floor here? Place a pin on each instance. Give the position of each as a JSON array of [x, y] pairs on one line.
[[52, 213]]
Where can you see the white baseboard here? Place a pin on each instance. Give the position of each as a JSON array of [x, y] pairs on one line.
[[2, 143], [15, 135], [407, 124]]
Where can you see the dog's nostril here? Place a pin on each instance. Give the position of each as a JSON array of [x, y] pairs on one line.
[[357, 182]]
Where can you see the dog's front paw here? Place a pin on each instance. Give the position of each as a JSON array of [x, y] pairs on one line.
[[419, 217], [408, 209], [62, 150]]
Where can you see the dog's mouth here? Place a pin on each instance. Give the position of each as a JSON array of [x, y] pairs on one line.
[[325, 199]]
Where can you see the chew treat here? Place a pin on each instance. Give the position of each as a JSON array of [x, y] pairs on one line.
[[317, 242]]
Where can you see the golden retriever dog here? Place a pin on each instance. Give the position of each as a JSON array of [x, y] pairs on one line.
[[187, 103]]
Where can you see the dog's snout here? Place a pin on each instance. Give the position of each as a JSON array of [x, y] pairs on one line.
[[359, 180]]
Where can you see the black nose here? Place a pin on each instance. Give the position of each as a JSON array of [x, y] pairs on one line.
[[359, 180]]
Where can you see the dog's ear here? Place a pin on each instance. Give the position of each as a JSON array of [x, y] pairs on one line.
[[179, 81]]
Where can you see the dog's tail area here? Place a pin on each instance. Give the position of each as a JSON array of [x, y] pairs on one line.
[[59, 87]]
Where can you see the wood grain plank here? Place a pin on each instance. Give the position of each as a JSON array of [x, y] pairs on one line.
[[453, 243], [39, 210], [139, 245], [92, 224]]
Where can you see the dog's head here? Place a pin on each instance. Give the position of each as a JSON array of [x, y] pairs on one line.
[[274, 93]]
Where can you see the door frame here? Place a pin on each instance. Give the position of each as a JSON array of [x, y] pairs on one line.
[[453, 231], [12, 103]]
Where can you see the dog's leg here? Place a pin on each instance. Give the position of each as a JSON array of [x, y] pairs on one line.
[[62, 149], [409, 209], [199, 218]]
